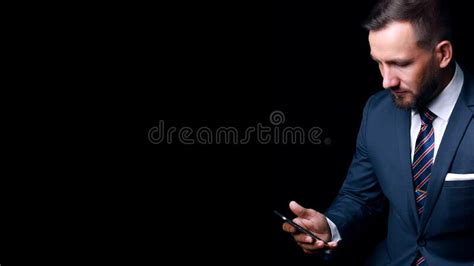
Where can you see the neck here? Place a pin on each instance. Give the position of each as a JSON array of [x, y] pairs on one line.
[[445, 76]]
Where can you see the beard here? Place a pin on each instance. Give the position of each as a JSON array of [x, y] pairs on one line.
[[428, 90]]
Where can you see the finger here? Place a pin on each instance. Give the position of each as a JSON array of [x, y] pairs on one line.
[[297, 209], [290, 228], [317, 245], [332, 245], [301, 211], [303, 238]]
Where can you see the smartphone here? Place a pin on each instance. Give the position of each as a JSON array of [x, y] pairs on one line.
[[298, 227]]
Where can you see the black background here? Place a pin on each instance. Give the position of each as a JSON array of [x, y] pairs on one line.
[[112, 72], [234, 68]]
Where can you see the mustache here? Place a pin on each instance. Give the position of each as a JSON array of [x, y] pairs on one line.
[[397, 88]]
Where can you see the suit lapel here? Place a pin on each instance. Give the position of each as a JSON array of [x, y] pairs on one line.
[[403, 122], [457, 125]]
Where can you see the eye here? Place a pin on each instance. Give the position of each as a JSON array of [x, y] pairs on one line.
[[403, 64]]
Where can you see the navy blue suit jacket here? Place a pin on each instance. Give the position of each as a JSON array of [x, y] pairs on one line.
[[381, 172]]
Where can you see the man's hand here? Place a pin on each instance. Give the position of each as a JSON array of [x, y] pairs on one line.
[[313, 221]]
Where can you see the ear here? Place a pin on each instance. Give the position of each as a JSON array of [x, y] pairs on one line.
[[444, 53]]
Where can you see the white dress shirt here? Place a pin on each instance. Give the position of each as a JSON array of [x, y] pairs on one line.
[[442, 106]]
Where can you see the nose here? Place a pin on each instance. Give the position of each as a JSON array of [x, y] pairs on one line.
[[389, 78]]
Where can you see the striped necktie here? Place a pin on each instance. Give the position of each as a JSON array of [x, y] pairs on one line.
[[422, 163]]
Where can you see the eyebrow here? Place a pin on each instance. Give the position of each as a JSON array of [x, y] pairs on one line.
[[396, 61]]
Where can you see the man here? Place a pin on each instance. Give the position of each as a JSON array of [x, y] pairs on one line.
[[415, 148]]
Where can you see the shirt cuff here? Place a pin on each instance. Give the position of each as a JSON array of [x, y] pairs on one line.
[[334, 232]]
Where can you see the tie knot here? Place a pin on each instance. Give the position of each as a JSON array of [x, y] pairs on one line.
[[427, 116]]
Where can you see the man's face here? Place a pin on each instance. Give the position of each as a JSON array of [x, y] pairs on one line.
[[410, 72]]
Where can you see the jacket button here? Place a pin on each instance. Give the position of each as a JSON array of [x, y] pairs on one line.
[[421, 242]]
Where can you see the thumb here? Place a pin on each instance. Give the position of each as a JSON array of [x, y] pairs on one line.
[[299, 210]]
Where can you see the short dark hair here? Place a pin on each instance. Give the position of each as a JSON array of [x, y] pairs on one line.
[[430, 19]]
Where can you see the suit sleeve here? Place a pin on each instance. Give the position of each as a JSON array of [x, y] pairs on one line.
[[360, 199]]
